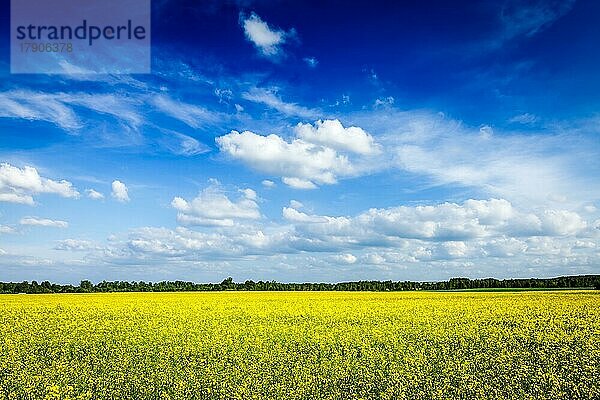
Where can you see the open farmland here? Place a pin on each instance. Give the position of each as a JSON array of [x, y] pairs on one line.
[[301, 345]]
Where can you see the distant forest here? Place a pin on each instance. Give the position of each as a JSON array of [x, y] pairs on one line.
[[581, 281]]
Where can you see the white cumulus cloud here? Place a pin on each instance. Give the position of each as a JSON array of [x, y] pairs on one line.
[[19, 185], [301, 164], [345, 258], [562, 222], [75, 245], [35, 221], [298, 183], [120, 191], [293, 215], [94, 195], [249, 193], [268, 40], [213, 208], [332, 133]]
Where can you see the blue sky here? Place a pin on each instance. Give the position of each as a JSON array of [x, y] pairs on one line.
[[304, 141]]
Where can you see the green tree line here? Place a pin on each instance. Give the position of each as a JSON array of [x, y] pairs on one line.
[[580, 281]]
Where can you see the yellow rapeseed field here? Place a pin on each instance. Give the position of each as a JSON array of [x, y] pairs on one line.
[[301, 345]]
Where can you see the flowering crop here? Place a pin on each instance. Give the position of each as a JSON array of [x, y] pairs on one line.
[[301, 345]]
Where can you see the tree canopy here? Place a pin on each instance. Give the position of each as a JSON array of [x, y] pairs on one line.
[[86, 286]]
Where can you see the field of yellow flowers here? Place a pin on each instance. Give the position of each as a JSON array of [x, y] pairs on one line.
[[301, 345]]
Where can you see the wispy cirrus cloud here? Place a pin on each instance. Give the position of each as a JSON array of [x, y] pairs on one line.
[[192, 115], [133, 115], [521, 18], [29, 105], [270, 98], [312, 62], [122, 108], [525, 119], [61, 109], [180, 144], [6, 229], [523, 167]]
